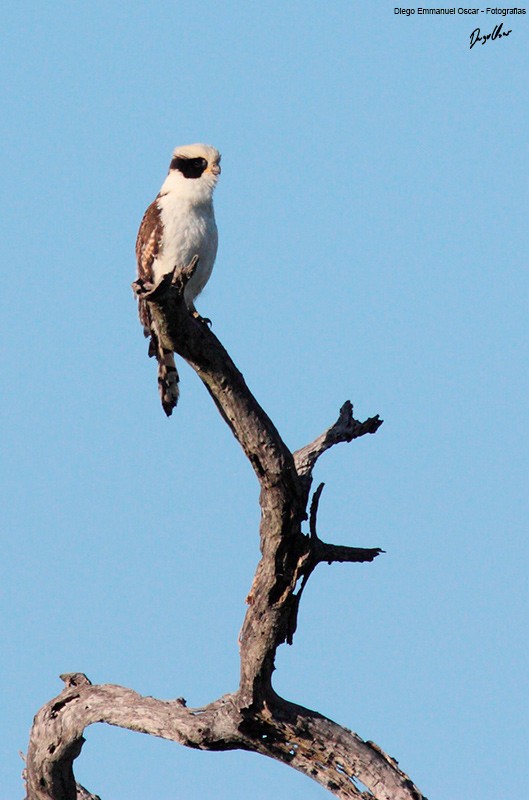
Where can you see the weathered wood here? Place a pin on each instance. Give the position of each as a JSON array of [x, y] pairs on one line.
[[254, 717], [345, 429], [305, 740]]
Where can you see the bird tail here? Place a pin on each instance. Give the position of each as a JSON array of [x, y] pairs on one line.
[[168, 378]]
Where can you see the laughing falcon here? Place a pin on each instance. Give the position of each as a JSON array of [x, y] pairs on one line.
[[177, 226]]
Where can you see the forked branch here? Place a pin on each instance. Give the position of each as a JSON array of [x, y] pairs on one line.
[[253, 717], [345, 429]]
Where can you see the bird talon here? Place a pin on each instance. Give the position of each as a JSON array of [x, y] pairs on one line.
[[204, 320], [142, 287]]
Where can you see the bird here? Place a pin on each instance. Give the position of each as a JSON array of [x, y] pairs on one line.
[[177, 226]]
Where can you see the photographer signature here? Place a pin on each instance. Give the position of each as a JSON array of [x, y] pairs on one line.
[[497, 33]]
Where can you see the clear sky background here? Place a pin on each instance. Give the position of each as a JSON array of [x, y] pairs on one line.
[[373, 246]]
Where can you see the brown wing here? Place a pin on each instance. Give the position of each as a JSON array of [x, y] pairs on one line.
[[148, 245]]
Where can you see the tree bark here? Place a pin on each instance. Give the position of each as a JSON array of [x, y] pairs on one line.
[[253, 718]]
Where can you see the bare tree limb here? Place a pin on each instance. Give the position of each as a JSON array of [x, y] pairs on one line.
[[317, 552], [345, 429], [254, 717], [335, 552], [303, 739], [341, 553]]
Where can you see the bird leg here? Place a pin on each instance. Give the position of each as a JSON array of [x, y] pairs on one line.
[[177, 279], [181, 277]]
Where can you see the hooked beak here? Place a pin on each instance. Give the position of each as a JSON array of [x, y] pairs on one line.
[[215, 169]]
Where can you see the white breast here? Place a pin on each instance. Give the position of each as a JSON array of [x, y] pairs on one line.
[[189, 230]]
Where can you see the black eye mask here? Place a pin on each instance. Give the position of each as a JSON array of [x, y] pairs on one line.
[[189, 167]]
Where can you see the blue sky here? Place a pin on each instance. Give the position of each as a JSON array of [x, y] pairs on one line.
[[373, 246]]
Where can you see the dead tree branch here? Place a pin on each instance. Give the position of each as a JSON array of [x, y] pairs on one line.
[[254, 717], [345, 429]]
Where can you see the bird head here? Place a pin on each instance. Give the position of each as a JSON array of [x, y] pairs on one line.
[[193, 172]]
